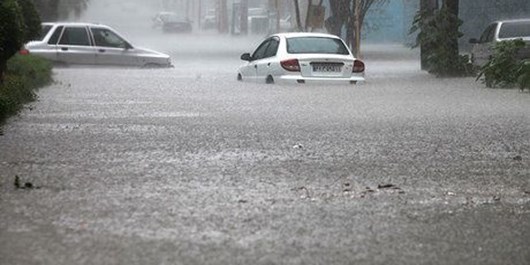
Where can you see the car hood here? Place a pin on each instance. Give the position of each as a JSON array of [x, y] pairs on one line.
[[150, 52]]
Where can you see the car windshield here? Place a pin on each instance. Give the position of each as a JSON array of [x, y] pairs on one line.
[[517, 29], [316, 45]]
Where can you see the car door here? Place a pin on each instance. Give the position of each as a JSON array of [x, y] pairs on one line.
[[112, 49], [249, 71], [484, 48], [75, 47], [263, 65]]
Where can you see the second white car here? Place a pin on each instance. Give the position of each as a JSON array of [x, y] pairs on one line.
[[302, 58], [91, 44]]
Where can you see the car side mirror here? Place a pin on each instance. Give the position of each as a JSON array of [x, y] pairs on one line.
[[473, 41], [246, 57], [128, 46]]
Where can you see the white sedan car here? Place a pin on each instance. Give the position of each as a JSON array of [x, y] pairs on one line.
[[301, 58], [91, 44]]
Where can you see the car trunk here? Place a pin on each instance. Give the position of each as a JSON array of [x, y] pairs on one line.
[[326, 65]]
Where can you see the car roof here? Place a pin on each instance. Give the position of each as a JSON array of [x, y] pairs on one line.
[[513, 20], [305, 34], [75, 24]]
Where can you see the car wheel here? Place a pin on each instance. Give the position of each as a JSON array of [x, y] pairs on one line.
[[269, 80], [239, 77]]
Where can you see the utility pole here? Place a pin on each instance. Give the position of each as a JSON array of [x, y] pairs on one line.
[[298, 20], [222, 18], [357, 28], [199, 15], [244, 17], [278, 13]]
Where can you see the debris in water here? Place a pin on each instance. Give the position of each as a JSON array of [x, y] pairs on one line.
[[346, 187], [387, 186], [298, 146], [17, 182], [518, 158]]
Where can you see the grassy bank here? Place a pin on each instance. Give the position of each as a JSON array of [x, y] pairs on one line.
[[24, 74]]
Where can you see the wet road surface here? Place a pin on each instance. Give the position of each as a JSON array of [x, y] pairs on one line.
[[188, 166]]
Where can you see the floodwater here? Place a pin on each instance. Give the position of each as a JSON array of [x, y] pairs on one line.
[[188, 166]]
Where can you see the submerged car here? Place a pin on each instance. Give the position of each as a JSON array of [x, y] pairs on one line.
[[91, 44], [499, 31], [171, 22], [301, 58]]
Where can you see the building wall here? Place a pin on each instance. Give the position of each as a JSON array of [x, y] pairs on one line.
[[475, 14]]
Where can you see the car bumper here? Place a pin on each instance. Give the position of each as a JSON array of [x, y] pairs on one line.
[[298, 79]]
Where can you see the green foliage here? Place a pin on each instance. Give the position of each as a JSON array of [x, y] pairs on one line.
[[503, 69], [11, 30], [438, 36], [32, 23], [524, 75], [19, 23], [23, 75]]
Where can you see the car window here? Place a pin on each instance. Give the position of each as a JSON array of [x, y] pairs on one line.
[[43, 32], [75, 36], [272, 49], [515, 29], [55, 36], [261, 50], [316, 45], [488, 34], [107, 38]]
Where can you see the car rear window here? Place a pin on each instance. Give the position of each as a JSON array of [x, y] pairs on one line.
[[316, 45], [43, 32], [515, 30]]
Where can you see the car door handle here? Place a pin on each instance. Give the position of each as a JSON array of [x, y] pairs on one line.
[[256, 66], [269, 64], [64, 49], [101, 50]]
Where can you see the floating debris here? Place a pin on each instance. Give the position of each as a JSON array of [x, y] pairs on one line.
[[298, 146], [17, 182]]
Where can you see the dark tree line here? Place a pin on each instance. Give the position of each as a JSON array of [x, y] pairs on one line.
[[53, 10], [19, 23]]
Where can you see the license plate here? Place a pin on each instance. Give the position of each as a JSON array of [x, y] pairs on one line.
[[327, 68]]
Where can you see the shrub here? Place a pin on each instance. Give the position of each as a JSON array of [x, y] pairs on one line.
[[503, 69], [524, 75], [23, 75]]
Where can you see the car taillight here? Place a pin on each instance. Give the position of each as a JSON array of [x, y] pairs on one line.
[[358, 66], [24, 52], [291, 65]]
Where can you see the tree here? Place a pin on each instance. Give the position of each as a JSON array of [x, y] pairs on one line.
[[19, 24], [32, 22], [11, 32], [438, 36], [343, 16], [53, 10]]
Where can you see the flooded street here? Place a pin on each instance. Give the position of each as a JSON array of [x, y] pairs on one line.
[[188, 166]]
